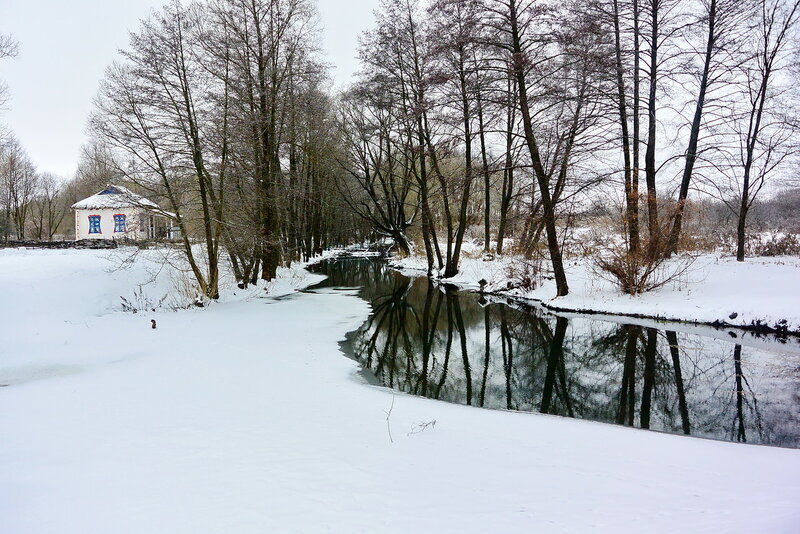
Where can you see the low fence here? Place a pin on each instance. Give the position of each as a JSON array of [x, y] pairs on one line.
[[81, 243]]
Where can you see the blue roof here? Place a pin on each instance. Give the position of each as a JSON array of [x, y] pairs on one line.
[[110, 190]]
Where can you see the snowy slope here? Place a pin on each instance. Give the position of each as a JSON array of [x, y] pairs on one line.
[[58, 298], [245, 417], [714, 289]]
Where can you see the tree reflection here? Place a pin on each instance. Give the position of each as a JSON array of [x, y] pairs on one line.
[[555, 366], [487, 343], [649, 377], [428, 331], [507, 347], [741, 434], [672, 339], [746, 400], [452, 297], [438, 342]]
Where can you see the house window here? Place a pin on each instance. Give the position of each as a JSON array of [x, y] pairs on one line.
[[119, 223], [94, 224]]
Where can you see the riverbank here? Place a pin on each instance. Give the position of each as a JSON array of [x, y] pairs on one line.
[[245, 417], [760, 294]]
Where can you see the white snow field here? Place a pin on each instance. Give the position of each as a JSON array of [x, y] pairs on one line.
[[712, 289], [245, 417]]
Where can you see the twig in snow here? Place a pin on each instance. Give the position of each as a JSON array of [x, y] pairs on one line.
[[422, 427], [388, 415]]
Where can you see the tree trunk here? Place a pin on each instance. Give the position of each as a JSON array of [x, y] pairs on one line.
[[453, 261], [508, 170], [633, 223], [650, 152], [487, 198], [541, 177], [691, 152], [631, 201]]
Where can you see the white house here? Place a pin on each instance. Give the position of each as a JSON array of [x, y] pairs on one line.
[[118, 213]]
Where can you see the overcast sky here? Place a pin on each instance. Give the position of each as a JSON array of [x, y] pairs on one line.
[[66, 45]]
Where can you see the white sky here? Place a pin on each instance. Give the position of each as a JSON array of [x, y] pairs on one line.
[[65, 47]]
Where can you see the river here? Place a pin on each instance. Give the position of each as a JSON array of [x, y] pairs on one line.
[[436, 341]]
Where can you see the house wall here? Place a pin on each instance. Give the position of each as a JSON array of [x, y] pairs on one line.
[[107, 224]]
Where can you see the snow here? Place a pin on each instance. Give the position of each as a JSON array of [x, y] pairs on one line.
[[117, 197], [713, 289], [123, 198], [245, 417]]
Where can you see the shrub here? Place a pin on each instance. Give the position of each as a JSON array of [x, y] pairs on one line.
[[524, 273], [778, 245], [141, 302], [640, 272]]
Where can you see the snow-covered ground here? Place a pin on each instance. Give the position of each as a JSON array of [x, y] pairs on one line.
[[245, 417], [713, 289]]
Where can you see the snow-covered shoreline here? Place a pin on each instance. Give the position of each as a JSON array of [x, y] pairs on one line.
[[761, 294], [246, 417]]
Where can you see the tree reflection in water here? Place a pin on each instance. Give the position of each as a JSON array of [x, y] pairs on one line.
[[438, 342]]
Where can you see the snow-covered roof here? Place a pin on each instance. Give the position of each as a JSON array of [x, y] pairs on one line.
[[116, 196]]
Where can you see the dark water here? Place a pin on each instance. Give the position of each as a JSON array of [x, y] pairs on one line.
[[457, 347]]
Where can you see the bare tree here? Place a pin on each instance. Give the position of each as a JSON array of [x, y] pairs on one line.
[[762, 129], [664, 21], [18, 184], [49, 207], [270, 48], [152, 109], [558, 87], [510, 158], [519, 44], [725, 23], [218, 111], [629, 145], [379, 165], [8, 48], [397, 54], [456, 37]]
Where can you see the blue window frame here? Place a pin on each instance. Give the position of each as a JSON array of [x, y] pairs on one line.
[[119, 223], [94, 224]]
